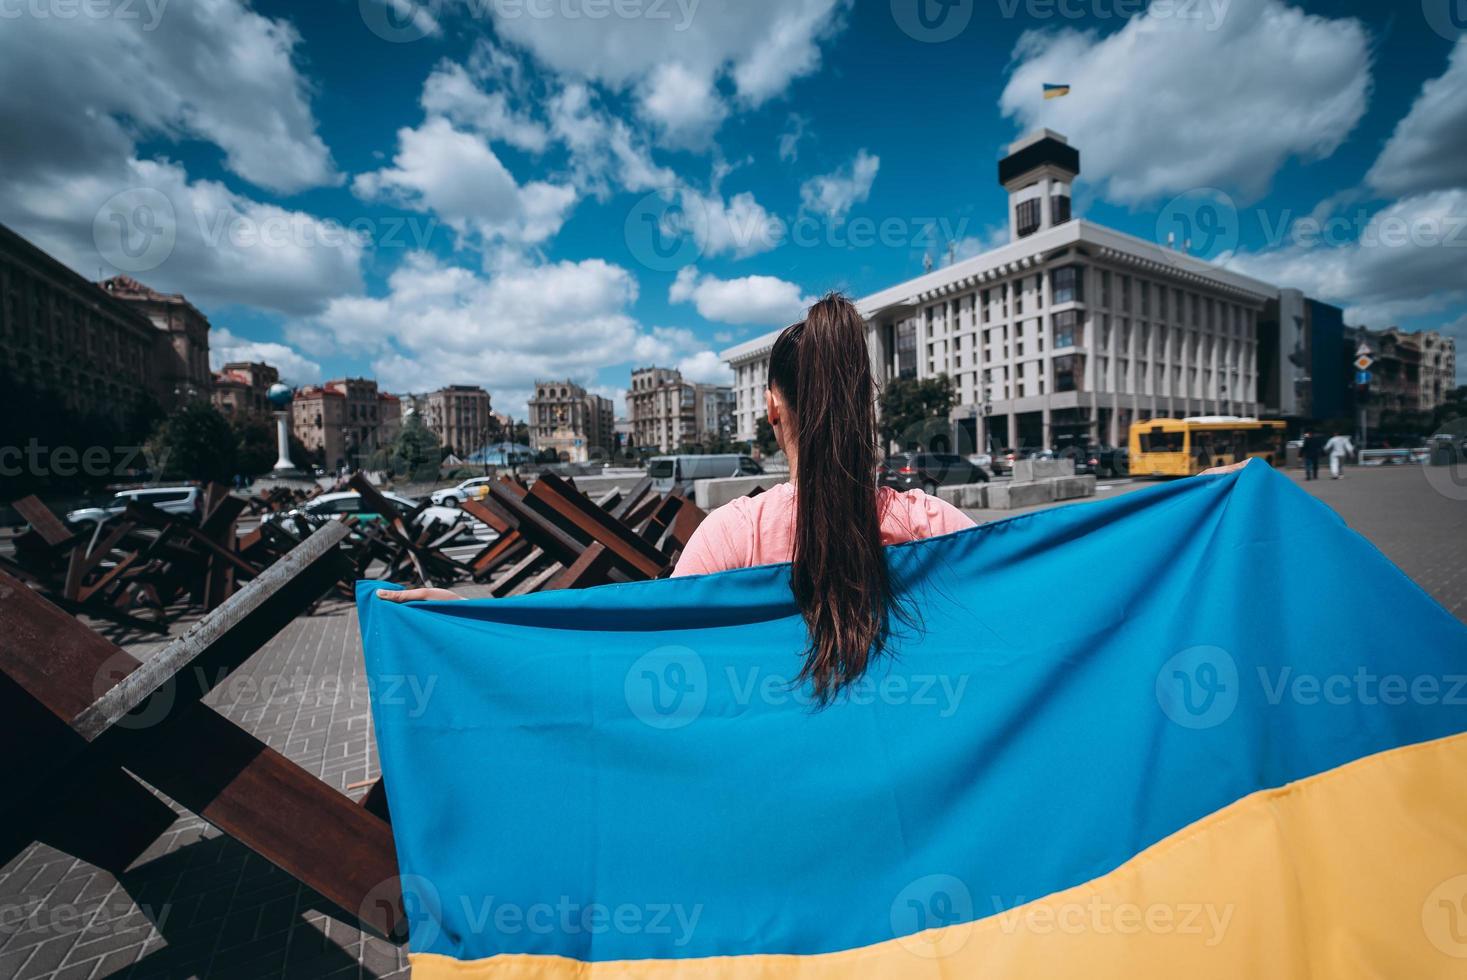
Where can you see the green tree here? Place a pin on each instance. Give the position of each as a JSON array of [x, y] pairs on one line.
[[415, 451], [914, 412], [195, 442]]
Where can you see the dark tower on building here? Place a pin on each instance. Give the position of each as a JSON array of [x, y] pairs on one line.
[[1038, 173]]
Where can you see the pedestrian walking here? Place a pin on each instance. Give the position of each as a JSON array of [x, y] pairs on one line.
[[1338, 447], [1311, 451]]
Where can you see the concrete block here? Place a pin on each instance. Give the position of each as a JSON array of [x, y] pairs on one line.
[[1011, 496], [1073, 487], [972, 496], [1031, 470], [709, 494]]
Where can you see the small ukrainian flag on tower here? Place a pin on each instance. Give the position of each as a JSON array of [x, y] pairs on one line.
[[1055, 91]]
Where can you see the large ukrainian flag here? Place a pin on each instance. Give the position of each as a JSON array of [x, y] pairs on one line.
[[1200, 730]]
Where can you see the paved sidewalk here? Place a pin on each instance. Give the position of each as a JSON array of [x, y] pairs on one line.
[[201, 905]]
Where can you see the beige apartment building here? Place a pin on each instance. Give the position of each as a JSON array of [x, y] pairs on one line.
[[240, 387], [182, 359], [570, 421], [667, 413], [345, 421], [459, 415]]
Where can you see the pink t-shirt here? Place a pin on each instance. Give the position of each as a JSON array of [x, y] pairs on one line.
[[760, 530]]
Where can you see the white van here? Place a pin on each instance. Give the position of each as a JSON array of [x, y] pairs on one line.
[[671, 473], [170, 500]]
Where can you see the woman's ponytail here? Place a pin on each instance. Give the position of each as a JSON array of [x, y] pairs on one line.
[[822, 370]]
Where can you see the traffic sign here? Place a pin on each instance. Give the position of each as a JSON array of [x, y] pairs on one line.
[[1362, 378], [1363, 362]]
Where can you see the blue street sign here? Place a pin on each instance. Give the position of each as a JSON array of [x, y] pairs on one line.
[[1362, 377]]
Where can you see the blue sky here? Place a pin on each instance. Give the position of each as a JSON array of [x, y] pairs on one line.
[[468, 191]]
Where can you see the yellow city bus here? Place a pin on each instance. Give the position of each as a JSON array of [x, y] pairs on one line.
[[1184, 447]]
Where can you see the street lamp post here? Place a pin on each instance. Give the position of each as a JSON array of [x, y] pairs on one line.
[[280, 397]]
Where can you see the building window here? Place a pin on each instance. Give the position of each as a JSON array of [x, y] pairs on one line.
[[906, 349], [1068, 284], [1066, 329], [1027, 217], [1059, 206]]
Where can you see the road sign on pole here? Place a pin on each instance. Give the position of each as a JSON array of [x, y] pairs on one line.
[[1363, 362]]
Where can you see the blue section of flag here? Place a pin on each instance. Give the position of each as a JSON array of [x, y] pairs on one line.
[[1084, 682]]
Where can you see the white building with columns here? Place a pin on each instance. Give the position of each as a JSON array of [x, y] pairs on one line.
[[1071, 330]]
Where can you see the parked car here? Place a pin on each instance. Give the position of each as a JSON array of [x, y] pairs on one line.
[[671, 473], [984, 460], [474, 488], [349, 502], [171, 500], [1085, 457], [928, 471]]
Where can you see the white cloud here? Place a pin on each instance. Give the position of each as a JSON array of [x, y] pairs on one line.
[[750, 299], [1170, 104], [109, 80], [834, 194], [295, 368], [789, 140], [604, 151], [443, 324], [113, 82], [1428, 150], [683, 105], [453, 93], [457, 176], [761, 46], [215, 246], [739, 226], [1407, 260], [705, 367]]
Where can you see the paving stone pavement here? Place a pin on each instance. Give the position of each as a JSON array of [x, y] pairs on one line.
[[199, 904]]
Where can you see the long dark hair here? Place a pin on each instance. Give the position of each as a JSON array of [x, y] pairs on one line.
[[822, 372]]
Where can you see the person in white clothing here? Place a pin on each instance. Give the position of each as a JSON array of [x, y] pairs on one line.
[[1338, 447]]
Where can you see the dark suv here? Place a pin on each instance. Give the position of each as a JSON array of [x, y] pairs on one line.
[[928, 471]]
